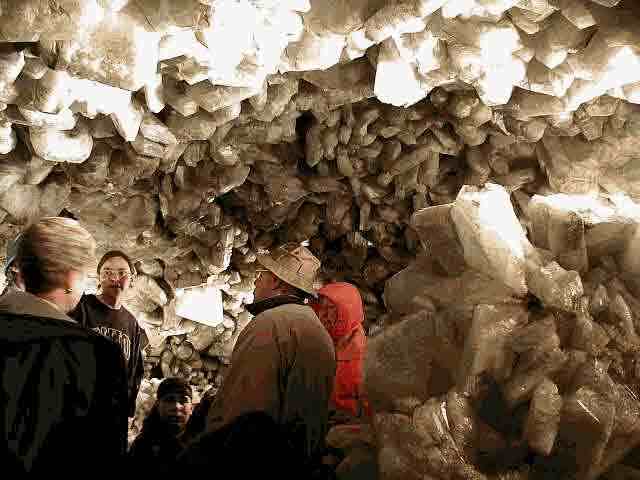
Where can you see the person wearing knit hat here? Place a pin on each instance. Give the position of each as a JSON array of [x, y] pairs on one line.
[[160, 441], [174, 387]]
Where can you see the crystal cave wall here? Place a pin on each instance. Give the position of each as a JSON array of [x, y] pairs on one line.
[[470, 165]]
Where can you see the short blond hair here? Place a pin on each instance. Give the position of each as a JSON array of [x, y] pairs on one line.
[[51, 248]]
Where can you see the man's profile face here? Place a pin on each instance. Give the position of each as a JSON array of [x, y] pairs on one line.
[[265, 285], [115, 275]]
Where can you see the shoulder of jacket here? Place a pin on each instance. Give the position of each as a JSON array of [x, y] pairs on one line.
[[132, 318], [290, 307], [297, 317], [105, 344], [88, 298], [282, 312], [86, 302]]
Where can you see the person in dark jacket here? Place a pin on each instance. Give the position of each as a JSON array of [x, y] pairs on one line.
[[105, 314], [63, 394], [156, 448], [197, 423], [281, 375]]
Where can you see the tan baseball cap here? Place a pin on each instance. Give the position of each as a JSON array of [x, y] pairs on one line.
[[293, 264]]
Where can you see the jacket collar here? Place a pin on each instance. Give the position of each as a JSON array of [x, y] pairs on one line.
[[17, 302], [257, 308]]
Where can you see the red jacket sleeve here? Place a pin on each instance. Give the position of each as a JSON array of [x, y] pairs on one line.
[[347, 392]]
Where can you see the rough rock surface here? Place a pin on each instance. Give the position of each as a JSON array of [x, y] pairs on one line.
[[472, 382]]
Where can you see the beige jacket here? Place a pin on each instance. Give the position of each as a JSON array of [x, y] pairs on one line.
[[17, 302], [283, 364]]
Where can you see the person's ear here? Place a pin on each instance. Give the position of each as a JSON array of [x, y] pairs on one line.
[[277, 283], [73, 281]]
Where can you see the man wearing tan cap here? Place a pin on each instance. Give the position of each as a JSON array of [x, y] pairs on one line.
[[282, 367], [285, 276]]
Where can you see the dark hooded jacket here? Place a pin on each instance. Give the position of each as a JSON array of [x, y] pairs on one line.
[[197, 423], [154, 451], [63, 393], [283, 364]]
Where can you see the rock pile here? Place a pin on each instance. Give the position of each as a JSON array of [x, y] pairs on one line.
[[507, 358]]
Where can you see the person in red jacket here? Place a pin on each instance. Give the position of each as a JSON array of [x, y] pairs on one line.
[[339, 307]]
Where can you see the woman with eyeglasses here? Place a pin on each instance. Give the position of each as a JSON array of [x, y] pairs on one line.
[[105, 314]]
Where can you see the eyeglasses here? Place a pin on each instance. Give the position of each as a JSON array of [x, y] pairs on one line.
[[117, 274]]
